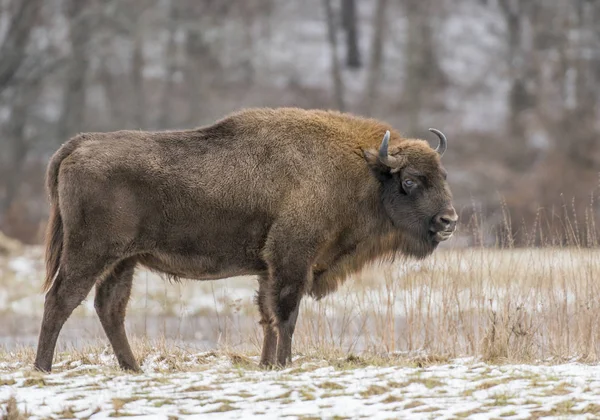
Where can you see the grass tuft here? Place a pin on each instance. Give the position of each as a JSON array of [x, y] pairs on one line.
[[12, 412]]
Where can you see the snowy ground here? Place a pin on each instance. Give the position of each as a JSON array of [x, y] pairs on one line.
[[213, 385]]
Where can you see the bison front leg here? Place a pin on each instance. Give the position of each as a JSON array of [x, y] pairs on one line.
[[269, 347], [292, 328], [288, 284], [286, 306], [289, 253]]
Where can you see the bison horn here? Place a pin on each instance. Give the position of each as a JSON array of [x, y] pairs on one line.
[[443, 141], [383, 149], [391, 161]]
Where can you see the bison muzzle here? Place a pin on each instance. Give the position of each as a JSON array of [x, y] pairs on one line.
[[298, 198]]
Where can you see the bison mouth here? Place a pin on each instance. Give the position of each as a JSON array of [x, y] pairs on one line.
[[441, 235], [422, 241]]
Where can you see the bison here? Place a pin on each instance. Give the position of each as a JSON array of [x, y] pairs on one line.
[[299, 198]]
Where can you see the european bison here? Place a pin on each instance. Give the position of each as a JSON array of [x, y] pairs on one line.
[[299, 198]]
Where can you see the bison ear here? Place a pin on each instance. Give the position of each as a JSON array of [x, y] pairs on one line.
[[380, 168], [371, 157]]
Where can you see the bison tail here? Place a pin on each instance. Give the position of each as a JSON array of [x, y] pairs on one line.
[[54, 245], [54, 232]]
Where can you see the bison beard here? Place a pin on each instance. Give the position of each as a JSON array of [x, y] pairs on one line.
[[299, 198]]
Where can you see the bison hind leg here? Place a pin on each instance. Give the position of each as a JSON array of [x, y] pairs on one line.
[[76, 277], [112, 296]]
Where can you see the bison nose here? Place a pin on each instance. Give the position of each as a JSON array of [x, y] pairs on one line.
[[446, 219]]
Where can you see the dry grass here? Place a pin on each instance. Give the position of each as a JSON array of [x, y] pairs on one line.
[[12, 412]]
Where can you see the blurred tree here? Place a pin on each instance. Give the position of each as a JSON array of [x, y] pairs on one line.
[[423, 74], [336, 71], [349, 22], [582, 79], [17, 142], [171, 67], [201, 61], [137, 27], [22, 19], [517, 15], [21, 22], [376, 59], [79, 15]]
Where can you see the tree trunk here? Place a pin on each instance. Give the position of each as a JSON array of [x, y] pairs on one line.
[[424, 77], [73, 108], [336, 71], [413, 92], [137, 74], [15, 42], [374, 72], [351, 27], [521, 77], [520, 98], [164, 119], [19, 145]]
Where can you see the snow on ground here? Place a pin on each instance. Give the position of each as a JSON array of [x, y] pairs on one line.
[[210, 385]]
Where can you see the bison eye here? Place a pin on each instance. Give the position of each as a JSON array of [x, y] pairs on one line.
[[408, 185]]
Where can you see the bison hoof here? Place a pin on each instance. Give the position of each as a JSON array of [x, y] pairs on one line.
[[267, 366], [131, 369], [38, 368], [271, 366]]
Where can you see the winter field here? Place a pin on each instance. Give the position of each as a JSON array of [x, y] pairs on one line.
[[472, 333]]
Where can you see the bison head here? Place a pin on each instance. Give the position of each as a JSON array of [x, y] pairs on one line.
[[415, 194]]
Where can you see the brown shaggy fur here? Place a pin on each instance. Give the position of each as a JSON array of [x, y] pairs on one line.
[[297, 197]]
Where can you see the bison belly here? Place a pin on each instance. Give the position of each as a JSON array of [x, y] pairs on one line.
[[206, 251]]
